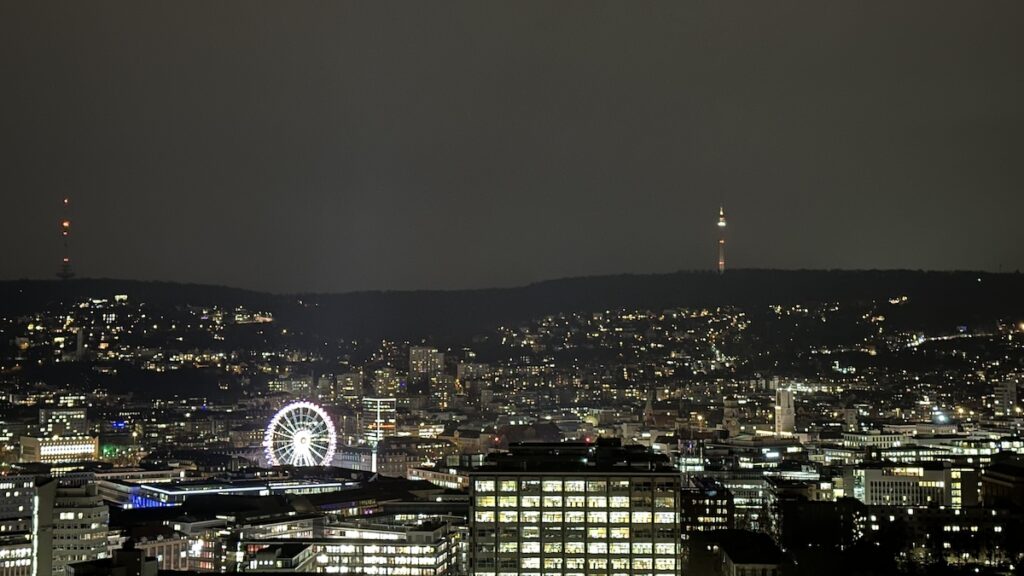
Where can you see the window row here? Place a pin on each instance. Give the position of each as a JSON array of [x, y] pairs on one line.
[[615, 548], [573, 502], [592, 517], [559, 486]]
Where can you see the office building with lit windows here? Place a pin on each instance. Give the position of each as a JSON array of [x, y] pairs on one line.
[[26, 526], [379, 417], [426, 549], [59, 449], [571, 509], [80, 524], [706, 505], [921, 484]]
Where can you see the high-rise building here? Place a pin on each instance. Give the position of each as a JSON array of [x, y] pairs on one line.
[[443, 389], [574, 508], [1005, 402], [80, 524], [379, 417], [26, 526], [785, 414], [386, 382], [424, 362], [349, 388]]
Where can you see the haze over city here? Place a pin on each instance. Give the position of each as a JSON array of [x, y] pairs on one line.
[[462, 288], [393, 145]]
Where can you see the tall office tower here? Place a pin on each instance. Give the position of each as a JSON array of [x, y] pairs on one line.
[[424, 362], [785, 414], [26, 526], [443, 389], [721, 239], [80, 523], [386, 382], [731, 416], [1005, 398], [573, 509], [349, 388], [379, 418]]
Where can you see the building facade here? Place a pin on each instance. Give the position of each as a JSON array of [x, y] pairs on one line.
[[568, 509]]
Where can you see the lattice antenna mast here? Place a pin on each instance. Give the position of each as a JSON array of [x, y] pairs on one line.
[[66, 272]]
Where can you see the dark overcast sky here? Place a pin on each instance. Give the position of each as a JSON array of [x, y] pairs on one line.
[[332, 146]]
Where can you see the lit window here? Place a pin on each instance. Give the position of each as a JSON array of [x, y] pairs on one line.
[[552, 501], [619, 548], [642, 547], [642, 564], [618, 517], [529, 485], [552, 547], [619, 502], [508, 546], [552, 486], [641, 517]]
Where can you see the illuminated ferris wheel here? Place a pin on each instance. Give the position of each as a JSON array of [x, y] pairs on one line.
[[300, 434]]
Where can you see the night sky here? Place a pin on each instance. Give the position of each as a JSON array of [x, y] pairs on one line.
[[334, 146]]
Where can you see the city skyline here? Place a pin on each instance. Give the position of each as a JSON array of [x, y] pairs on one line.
[[463, 288], [353, 147]]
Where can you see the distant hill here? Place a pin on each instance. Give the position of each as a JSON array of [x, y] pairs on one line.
[[967, 297]]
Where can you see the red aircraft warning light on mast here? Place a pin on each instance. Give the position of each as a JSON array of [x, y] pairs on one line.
[[721, 239], [65, 271]]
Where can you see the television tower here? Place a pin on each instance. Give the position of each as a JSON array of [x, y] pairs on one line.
[[721, 239], [65, 271]]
